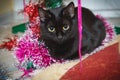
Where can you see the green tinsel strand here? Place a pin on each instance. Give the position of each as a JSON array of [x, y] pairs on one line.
[[117, 30], [19, 28], [30, 65], [53, 3]]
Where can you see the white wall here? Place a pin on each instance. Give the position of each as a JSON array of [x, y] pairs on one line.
[[107, 8], [18, 5]]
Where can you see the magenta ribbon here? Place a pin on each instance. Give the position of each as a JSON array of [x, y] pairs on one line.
[[80, 29]]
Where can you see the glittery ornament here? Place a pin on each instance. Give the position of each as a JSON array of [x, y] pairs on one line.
[[30, 53], [9, 44], [110, 33], [117, 30], [53, 3]]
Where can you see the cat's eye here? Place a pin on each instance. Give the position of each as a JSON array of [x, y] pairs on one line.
[[51, 29], [66, 27]]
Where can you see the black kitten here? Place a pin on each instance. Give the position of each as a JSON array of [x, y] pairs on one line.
[[59, 30]]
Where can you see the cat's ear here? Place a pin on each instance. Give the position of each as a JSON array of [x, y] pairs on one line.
[[43, 14], [69, 10]]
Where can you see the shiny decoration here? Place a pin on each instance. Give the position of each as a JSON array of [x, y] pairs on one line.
[[30, 53], [19, 28], [117, 30], [110, 33], [11, 43], [53, 3], [32, 11]]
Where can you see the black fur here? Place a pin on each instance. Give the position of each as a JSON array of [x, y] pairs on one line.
[[64, 43]]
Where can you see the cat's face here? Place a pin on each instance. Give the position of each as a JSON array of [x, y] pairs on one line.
[[57, 25]]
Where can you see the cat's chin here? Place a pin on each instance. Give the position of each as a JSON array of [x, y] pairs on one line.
[[60, 42], [64, 56], [58, 55]]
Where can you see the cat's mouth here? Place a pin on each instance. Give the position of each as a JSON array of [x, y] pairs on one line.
[[59, 42]]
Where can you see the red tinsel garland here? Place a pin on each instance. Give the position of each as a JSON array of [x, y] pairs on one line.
[[9, 44], [32, 11]]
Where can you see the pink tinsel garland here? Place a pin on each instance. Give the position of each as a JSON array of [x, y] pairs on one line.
[[110, 33], [29, 48]]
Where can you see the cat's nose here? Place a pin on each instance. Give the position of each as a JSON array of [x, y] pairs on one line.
[[60, 36]]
